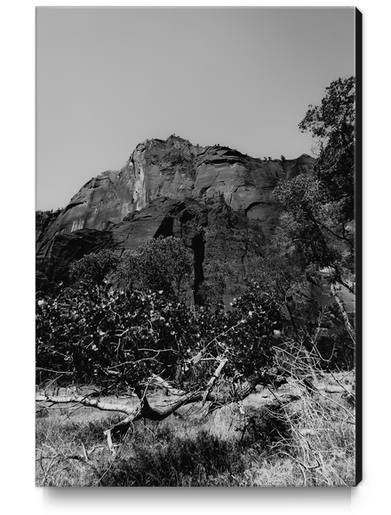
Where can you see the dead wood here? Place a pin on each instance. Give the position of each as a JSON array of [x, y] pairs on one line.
[[143, 408]]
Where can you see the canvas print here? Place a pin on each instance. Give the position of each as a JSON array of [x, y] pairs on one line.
[[198, 235]]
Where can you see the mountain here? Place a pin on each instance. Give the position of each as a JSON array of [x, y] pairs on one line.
[[217, 200]]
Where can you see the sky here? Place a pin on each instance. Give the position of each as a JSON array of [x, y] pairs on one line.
[[110, 78]]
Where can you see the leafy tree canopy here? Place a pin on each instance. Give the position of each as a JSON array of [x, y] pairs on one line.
[[161, 264], [333, 123], [318, 208], [94, 267]]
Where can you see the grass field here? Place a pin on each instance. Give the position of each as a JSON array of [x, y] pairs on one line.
[[290, 437]]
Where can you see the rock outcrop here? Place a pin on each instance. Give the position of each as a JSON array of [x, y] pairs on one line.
[[214, 198]]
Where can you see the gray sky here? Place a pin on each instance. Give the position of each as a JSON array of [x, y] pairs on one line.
[[110, 78]]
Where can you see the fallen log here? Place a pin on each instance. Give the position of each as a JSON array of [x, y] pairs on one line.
[[143, 409]]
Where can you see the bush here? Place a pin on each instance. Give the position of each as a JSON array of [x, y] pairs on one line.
[[162, 264], [268, 426], [101, 335], [94, 267], [87, 332]]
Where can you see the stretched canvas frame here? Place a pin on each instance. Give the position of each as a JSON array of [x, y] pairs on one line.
[[151, 203]]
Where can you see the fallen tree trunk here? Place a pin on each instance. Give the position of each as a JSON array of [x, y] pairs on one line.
[[144, 410]]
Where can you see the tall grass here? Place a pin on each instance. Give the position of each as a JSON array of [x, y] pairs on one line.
[[323, 447]]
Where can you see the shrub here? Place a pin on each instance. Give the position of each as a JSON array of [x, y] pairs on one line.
[[101, 335], [268, 426], [94, 267], [162, 264]]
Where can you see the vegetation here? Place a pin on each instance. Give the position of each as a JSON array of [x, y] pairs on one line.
[[162, 264], [318, 209], [304, 442], [92, 334], [181, 379], [94, 267]]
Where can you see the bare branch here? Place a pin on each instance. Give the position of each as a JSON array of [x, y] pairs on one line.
[[86, 401], [162, 383], [54, 371], [213, 380]]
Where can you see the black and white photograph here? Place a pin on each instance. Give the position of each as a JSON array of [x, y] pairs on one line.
[[198, 247]]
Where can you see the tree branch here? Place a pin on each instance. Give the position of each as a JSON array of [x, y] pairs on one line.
[[213, 380], [87, 401]]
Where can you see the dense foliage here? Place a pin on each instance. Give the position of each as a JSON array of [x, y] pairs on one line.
[[161, 264], [94, 267], [101, 335]]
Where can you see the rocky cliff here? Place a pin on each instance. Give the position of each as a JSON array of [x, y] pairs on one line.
[[214, 198]]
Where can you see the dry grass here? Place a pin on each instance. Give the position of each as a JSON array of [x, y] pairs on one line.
[[323, 446], [291, 437]]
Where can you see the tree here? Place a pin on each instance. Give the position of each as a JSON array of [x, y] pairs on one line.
[[321, 204], [317, 208], [310, 222], [278, 269], [333, 125], [162, 264], [213, 287], [94, 267]]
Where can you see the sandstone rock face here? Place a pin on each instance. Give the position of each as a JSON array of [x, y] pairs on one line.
[[214, 198], [176, 169]]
